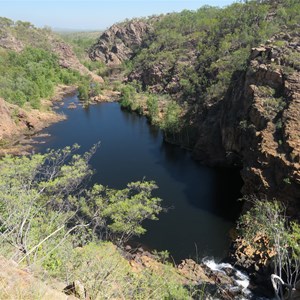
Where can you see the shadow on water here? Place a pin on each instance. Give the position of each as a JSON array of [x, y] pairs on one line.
[[204, 210], [222, 185], [201, 200]]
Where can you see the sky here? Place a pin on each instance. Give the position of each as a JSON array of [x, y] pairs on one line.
[[93, 14]]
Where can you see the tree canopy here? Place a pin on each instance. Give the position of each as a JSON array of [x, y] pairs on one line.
[[45, 198]]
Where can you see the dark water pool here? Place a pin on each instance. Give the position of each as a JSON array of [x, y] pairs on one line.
[[202, 200]]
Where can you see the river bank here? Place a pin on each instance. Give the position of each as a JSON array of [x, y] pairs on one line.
[[18, 125]]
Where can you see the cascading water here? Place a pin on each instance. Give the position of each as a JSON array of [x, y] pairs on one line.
[[237, 286], [239, 282]]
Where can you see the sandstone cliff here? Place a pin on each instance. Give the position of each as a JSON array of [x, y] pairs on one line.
[[120, 42], [257, 124]]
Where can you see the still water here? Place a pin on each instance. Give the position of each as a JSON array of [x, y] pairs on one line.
[[201, 201]]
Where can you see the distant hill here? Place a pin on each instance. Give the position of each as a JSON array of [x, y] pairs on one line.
[[81, 41]]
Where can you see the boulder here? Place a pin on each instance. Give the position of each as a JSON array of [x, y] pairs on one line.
[[77, 289]]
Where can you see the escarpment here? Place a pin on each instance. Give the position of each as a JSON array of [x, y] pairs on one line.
[[257, 124]]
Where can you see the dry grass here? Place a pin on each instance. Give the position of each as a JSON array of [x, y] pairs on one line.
[[18, 284]]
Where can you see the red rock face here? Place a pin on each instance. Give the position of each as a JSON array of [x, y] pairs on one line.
[[68, 59]]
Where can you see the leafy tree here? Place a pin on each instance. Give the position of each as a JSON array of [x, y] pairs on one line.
[[28, 76], [128, 94], [95, 89], [39, 190], [117, 214], [5, 22], [171, 121]]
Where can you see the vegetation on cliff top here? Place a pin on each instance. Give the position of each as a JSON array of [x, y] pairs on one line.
[[198, 51], [31, 75], [191, 56]]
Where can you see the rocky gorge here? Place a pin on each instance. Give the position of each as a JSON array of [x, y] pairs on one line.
[[258, 124], [249, 121], [254, 125], [17, 122]]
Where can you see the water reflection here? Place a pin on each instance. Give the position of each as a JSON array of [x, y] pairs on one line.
[[204, 199]]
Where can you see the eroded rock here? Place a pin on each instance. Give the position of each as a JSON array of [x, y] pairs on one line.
[[120, 42]]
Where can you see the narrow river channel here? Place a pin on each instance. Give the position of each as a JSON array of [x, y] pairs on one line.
[[202, 201]]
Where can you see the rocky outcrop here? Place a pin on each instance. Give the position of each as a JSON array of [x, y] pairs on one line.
[[107, 96], [257, 124], [68, 59], [7, 124], [8, 41], [164, 75], [256, 260], [120, 42], [15, 120], [77, 289], [216, 281], [208, 280], [123, 41]]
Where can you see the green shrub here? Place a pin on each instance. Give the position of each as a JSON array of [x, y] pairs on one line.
[[152, 106], [128, 95], [43, 201], [83, 91]]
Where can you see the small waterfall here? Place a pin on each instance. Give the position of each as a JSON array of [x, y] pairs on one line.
[[239, 281], [235, 282]]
